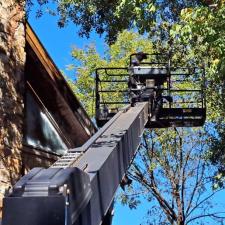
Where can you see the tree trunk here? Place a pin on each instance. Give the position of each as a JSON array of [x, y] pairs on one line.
[[12, 61]]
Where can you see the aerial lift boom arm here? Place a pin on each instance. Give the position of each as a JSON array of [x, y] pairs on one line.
[[79, 188], [105, 159]]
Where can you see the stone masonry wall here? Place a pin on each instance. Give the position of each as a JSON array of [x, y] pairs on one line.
[[12, 60]]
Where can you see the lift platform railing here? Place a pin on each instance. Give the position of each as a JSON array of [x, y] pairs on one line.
[[188, 108], [111, 92], [185, 86]]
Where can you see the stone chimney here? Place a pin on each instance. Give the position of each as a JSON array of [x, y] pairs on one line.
[[12, 61]]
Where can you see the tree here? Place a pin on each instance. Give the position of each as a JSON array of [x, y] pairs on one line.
[[171, 172], [198, 39], [170, 168], [112, 17], [203, 29]]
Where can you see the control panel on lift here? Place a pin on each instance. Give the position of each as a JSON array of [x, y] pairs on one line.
[[175, 94]]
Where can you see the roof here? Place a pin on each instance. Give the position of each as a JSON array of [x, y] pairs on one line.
[[53, 90]]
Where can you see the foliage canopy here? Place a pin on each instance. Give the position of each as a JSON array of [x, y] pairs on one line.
[[112, 17]]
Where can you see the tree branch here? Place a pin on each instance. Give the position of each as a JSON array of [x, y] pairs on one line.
[[207, 215]]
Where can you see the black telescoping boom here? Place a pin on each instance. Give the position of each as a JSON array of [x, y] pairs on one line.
[[79, 188]]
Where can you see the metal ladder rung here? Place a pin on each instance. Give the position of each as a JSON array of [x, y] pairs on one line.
[[67, 160]]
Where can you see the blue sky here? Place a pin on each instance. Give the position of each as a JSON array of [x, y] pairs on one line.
[[58, 43]]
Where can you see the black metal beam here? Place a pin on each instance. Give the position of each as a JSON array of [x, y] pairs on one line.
[[108, 159], [62, 196]]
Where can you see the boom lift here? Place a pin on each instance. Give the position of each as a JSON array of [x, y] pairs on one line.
[[79, 188], [175, 95]]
